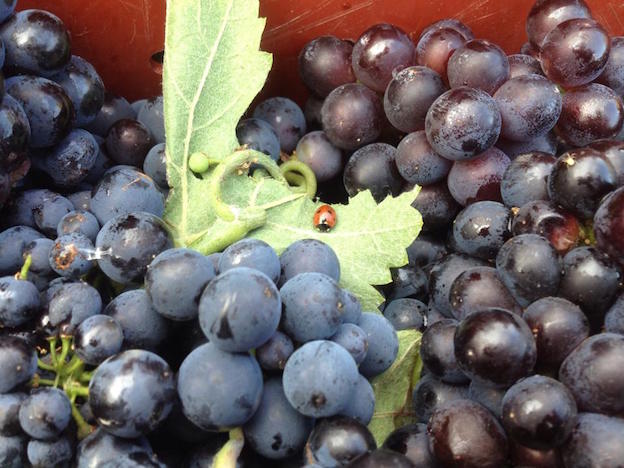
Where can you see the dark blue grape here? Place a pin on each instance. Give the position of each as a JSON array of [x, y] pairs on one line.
[[529, 266], [312, 112], [488, 396], [129, 243], [287, 119], [352, 308], [274, 353], [19, 301], [128, 141], [481, 229], [276, 430], [307, 255], [49, 110], [413, 442], [312, 306], [430, 393], [437, 352], [71, 255], [383, 343], [113, 108], [49, 210], [596, 441], [339, 440], [437, 207], [18, 362], [102, 164], [407, 282], [361, 406], [259, 135], [353, 339], [155, 165], [100, 447], [152, 116], [72, 303], [251, 253], [122, 190], [131, 393], [406, 313], [613, 151], [19, 208], [80, 221], [381, 457], [544, 144], [44, 454], [45, 413], [97, 338], [14, 138], [36, 41], [219, 389], [72, 158], [9, 413], [614, 319], [240, 309], [175, 280], [418, 163], [525, 179], [81, 200], [143, 327], [13, 451]]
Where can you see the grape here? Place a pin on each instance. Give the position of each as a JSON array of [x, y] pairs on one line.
[[339, 440], [579, 179], [82, 222], [45, 413], [373, 168], [81, 200], [481, 229], [613, 151], [407, 282], [436, 205], [19, 301], [102, 163], [84, 87], [413, 442], [430, 393], [575, 52], [274, 353], [152, 116], [436, 46], [287, 119], [352, 308], [418, 163], [525, 179], [437, 352], [558, 326], [546, 15], [530, 106], [122, 190], [13, 451], [352, 116], [175, 280], [42, 454], [18, 362], [409, 95], [8, 7], [71, 255], [113, 109], [613, 73], [130, 242], [308, 255], [451, 23], [478, 179], [479, 288], [425, 250], [219, 389], [36, 41], [131, 393], [312, 112], [155, 165], [522, 64], [97, 338], [49, 210], [353, 339], [100, 448], [488, 396], [9, 413], [592, 374], [315, 150], [240, 309], [380, 51], [49, 110], [545, 143], [406, 313], [71, 303], [614, 319], [596, 441], [311, 306], [128, 142], [464, 431], [14, 138], [276, 430], [325, 64], [539, 412], [361, 406], [529, 266], [478, 64], [608, 224], [462, 123], [383, 344], [495, 346], [251, 253], [12, 244], [259, 135], [142, 326], [71, 160], [524, 456]]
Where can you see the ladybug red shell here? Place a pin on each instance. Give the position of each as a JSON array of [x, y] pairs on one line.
[[324, 218]]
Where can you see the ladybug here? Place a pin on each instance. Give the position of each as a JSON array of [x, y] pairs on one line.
[[324, 218]]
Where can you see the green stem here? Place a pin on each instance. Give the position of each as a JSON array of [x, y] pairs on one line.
[[73, 365], [23, 274], [44, 366], [84, 429], [53, 356], [73, 389], [86, 376], [65, 347], [47, 382], [297, 167], [229, 453]]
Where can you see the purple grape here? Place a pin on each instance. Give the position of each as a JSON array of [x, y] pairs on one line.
[[545, 143], [523, 64], [613, 151], [287, 119], [596, 441], [315, 150], [418, 163], [437, 352], [436, 46], [613, 73], [609, 225], [436, 205], [546, 15], [481, 229], [478, 64], [325, 64], [525, 179]]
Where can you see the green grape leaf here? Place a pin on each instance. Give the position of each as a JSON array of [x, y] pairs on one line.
[[213, 69], [393, 388]]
